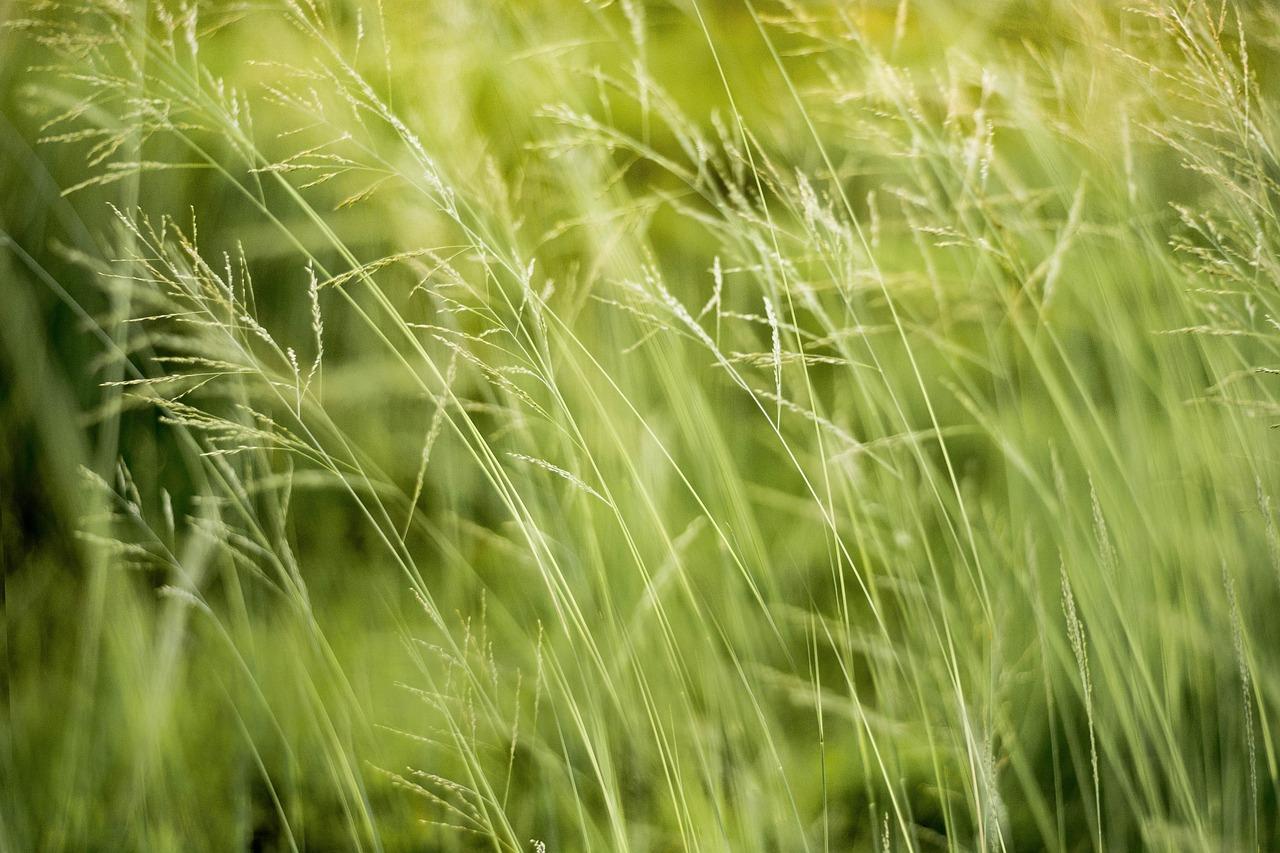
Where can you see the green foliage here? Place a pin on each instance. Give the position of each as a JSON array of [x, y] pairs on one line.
[[639, 426]]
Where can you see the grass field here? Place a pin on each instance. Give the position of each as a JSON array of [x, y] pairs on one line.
[[734, 425]]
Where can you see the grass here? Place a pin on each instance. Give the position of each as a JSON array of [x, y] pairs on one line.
[[639, 426]]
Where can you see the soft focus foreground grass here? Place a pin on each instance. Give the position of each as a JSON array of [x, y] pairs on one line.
[[638, 426]]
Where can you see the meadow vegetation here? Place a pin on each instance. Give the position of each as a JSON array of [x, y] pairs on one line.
[[734, 425]]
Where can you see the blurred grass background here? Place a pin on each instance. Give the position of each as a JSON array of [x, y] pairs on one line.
[[946, 524]]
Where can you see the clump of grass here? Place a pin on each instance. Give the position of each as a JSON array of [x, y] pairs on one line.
[[521, 442]]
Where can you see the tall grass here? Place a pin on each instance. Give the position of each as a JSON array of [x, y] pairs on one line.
[[744, 426]]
